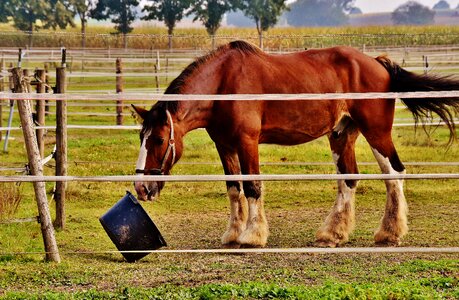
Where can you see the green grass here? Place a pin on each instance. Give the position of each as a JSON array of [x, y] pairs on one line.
[[421, 289], [194, 215]]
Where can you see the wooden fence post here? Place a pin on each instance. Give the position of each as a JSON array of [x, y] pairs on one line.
[[10, 116], [61, 145], [41, 111], [2, 88], [158, 62], [52, 252], [119, 89], [169, 46], [46, 67], [156, 78], [167, 70], [26, 80]]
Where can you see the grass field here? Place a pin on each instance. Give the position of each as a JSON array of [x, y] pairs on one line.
[[194, 216]]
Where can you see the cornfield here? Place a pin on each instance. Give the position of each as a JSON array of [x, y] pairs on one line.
[[152, 37]]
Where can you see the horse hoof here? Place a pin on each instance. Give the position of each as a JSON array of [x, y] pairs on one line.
[[248, 246], [384, 239], [389, 243], [326, 244], [231, 245]]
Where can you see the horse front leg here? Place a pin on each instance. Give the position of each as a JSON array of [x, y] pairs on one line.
[[238, 202], [256, 232], [238, 216], [341, 220]]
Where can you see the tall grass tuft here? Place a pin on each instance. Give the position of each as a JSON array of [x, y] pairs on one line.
[[10, 197]]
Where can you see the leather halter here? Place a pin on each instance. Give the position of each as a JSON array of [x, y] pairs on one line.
[[170, 149]]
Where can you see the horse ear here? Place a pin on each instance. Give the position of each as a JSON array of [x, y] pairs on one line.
[[140, 111]]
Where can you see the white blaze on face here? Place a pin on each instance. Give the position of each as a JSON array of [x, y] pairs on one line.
[[143, 153]]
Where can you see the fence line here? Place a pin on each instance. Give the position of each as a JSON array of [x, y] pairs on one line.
[[233, 97], [217, 163], [137, 127], [204, 178]]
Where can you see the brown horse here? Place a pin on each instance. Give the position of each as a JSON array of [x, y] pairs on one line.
[[238, 127]]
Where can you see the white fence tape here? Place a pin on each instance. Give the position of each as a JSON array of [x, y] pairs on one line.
[[203, 178], [237, 97]]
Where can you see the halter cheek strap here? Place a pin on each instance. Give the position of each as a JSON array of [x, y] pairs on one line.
[[170, 149], [171, 146]]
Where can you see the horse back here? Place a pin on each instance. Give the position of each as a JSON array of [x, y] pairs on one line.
[[331, 70]]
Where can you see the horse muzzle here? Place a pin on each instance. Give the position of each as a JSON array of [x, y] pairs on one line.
[[147, 190]]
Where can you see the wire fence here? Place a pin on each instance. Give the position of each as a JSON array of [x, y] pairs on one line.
[[344, 250]]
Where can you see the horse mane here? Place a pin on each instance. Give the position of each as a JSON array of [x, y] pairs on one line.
[[177, 84]]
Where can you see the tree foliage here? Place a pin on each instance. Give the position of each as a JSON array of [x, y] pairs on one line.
[[442, 4], [121, 12], [355, 11], [319, 12], [4, 12], [169, 11], [62, 15], [211, 12], [265, 13], [32, 15], [82, 8], [413, 13]]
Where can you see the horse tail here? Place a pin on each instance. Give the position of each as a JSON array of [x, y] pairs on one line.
[[402, 80]]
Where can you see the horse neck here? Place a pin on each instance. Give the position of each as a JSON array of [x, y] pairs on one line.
[[204, 80], [193, 114]]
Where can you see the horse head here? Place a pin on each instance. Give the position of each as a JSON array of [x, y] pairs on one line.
[[159, 149]]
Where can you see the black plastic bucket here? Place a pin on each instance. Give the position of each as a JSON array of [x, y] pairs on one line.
[[131, 229]]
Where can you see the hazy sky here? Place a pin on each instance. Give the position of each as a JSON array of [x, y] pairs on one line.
[[369, 6]]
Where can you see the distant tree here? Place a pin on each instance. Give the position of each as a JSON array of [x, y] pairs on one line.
[[32, 15], [442, 4], [355, 11], [265, 13], [169, 11], [319, 12], [211, 12], [413, 13], [61, 16], [4, 12], [82, 8], [120, 12]]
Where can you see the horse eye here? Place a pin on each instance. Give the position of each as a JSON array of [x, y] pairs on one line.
[[157, 140]]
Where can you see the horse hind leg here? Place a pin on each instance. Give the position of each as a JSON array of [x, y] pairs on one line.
[[394, 224], [341, 220]]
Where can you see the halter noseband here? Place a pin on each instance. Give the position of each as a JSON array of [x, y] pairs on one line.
[[170, 148]]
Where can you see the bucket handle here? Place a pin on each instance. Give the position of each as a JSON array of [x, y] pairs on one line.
[[132, 198]]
